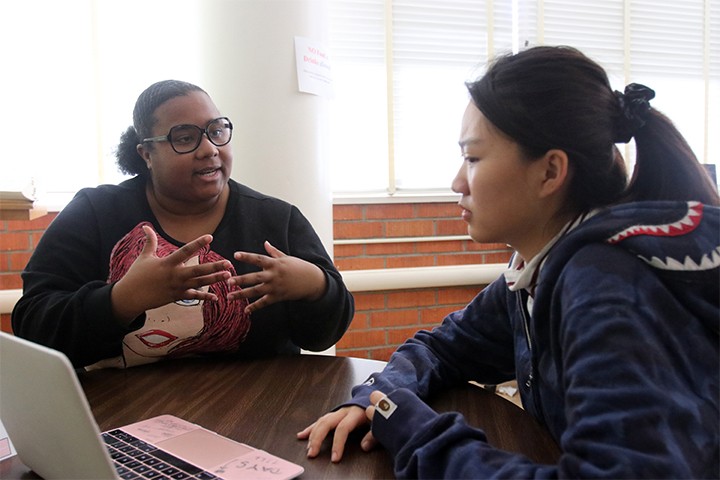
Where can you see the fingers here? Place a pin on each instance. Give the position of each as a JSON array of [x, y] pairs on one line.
[[370, 412], [272, 251], [368, 442], [280, 277], [261, 302], [376, 396], [342, 421], [318, 431], [199, 275], [261, 289], [193, 293], [157, 280], [305, 433], [204, 274], [262, 261], [354, 419], [190, 249], [254, 278], [340, 438], [151, 241]]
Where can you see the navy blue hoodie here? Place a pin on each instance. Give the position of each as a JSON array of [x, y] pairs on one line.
[[618, 358]]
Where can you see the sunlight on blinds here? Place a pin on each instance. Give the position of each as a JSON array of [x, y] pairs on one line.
[[673, 47]]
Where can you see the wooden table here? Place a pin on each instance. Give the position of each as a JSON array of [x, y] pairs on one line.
[[263, 403]]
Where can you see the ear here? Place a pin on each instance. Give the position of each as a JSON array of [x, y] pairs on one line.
[[554, 172], [145, 154]]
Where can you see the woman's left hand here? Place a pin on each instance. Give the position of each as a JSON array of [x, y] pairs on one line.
[[282, 277]]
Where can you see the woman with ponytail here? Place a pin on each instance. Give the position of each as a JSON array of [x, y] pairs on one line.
[[608, 315]]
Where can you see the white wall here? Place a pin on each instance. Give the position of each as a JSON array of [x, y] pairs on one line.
[[248, 52]]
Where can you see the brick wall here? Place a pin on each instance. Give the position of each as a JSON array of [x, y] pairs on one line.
[[17, 241], [368, 237], [402, 236]]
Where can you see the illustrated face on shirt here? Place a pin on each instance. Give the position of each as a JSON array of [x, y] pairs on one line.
[[183, 327], [165, 327]]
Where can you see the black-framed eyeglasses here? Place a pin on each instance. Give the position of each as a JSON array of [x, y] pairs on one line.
[[187, 138]]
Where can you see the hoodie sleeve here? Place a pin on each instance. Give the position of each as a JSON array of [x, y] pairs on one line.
[[444, 445], [466, 346]]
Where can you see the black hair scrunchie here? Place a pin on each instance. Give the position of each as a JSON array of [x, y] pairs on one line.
[[634, 105]]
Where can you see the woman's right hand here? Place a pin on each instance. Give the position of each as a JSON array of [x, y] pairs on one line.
[[343, 421], [153, 281]]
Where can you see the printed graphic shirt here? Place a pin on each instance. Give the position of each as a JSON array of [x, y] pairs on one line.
[[92, 242]]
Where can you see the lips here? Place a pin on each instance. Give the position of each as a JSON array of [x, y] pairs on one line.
[[208, 171], [156, 338], [465, 213]]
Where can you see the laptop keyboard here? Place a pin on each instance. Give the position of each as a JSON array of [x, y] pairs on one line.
[[135, 459]]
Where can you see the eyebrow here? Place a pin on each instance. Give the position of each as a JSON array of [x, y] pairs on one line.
[[469, 141]]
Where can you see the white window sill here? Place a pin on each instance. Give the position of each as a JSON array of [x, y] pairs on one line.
[[55, 201]]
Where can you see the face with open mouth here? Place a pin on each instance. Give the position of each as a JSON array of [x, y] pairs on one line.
[[193, 179]]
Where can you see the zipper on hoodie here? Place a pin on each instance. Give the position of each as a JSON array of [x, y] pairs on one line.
[[539, 412], [526, 328]]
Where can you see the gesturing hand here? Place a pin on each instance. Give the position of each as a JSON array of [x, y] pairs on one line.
[[282, 277], [153, 281]]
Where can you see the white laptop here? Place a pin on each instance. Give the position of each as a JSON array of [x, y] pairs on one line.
[[48, 420]]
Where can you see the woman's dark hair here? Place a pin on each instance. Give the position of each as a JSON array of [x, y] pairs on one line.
[[128, 160], [547, 98]]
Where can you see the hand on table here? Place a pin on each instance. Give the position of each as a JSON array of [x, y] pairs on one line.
[[343, 421], [282, 277]]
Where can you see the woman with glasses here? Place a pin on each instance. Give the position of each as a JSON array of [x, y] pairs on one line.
[[180, 259], [608, 315]]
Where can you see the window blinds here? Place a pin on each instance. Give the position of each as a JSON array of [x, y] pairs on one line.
[[422, 51]]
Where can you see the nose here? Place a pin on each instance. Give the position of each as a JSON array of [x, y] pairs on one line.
[[459, 183], [206, 147]]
